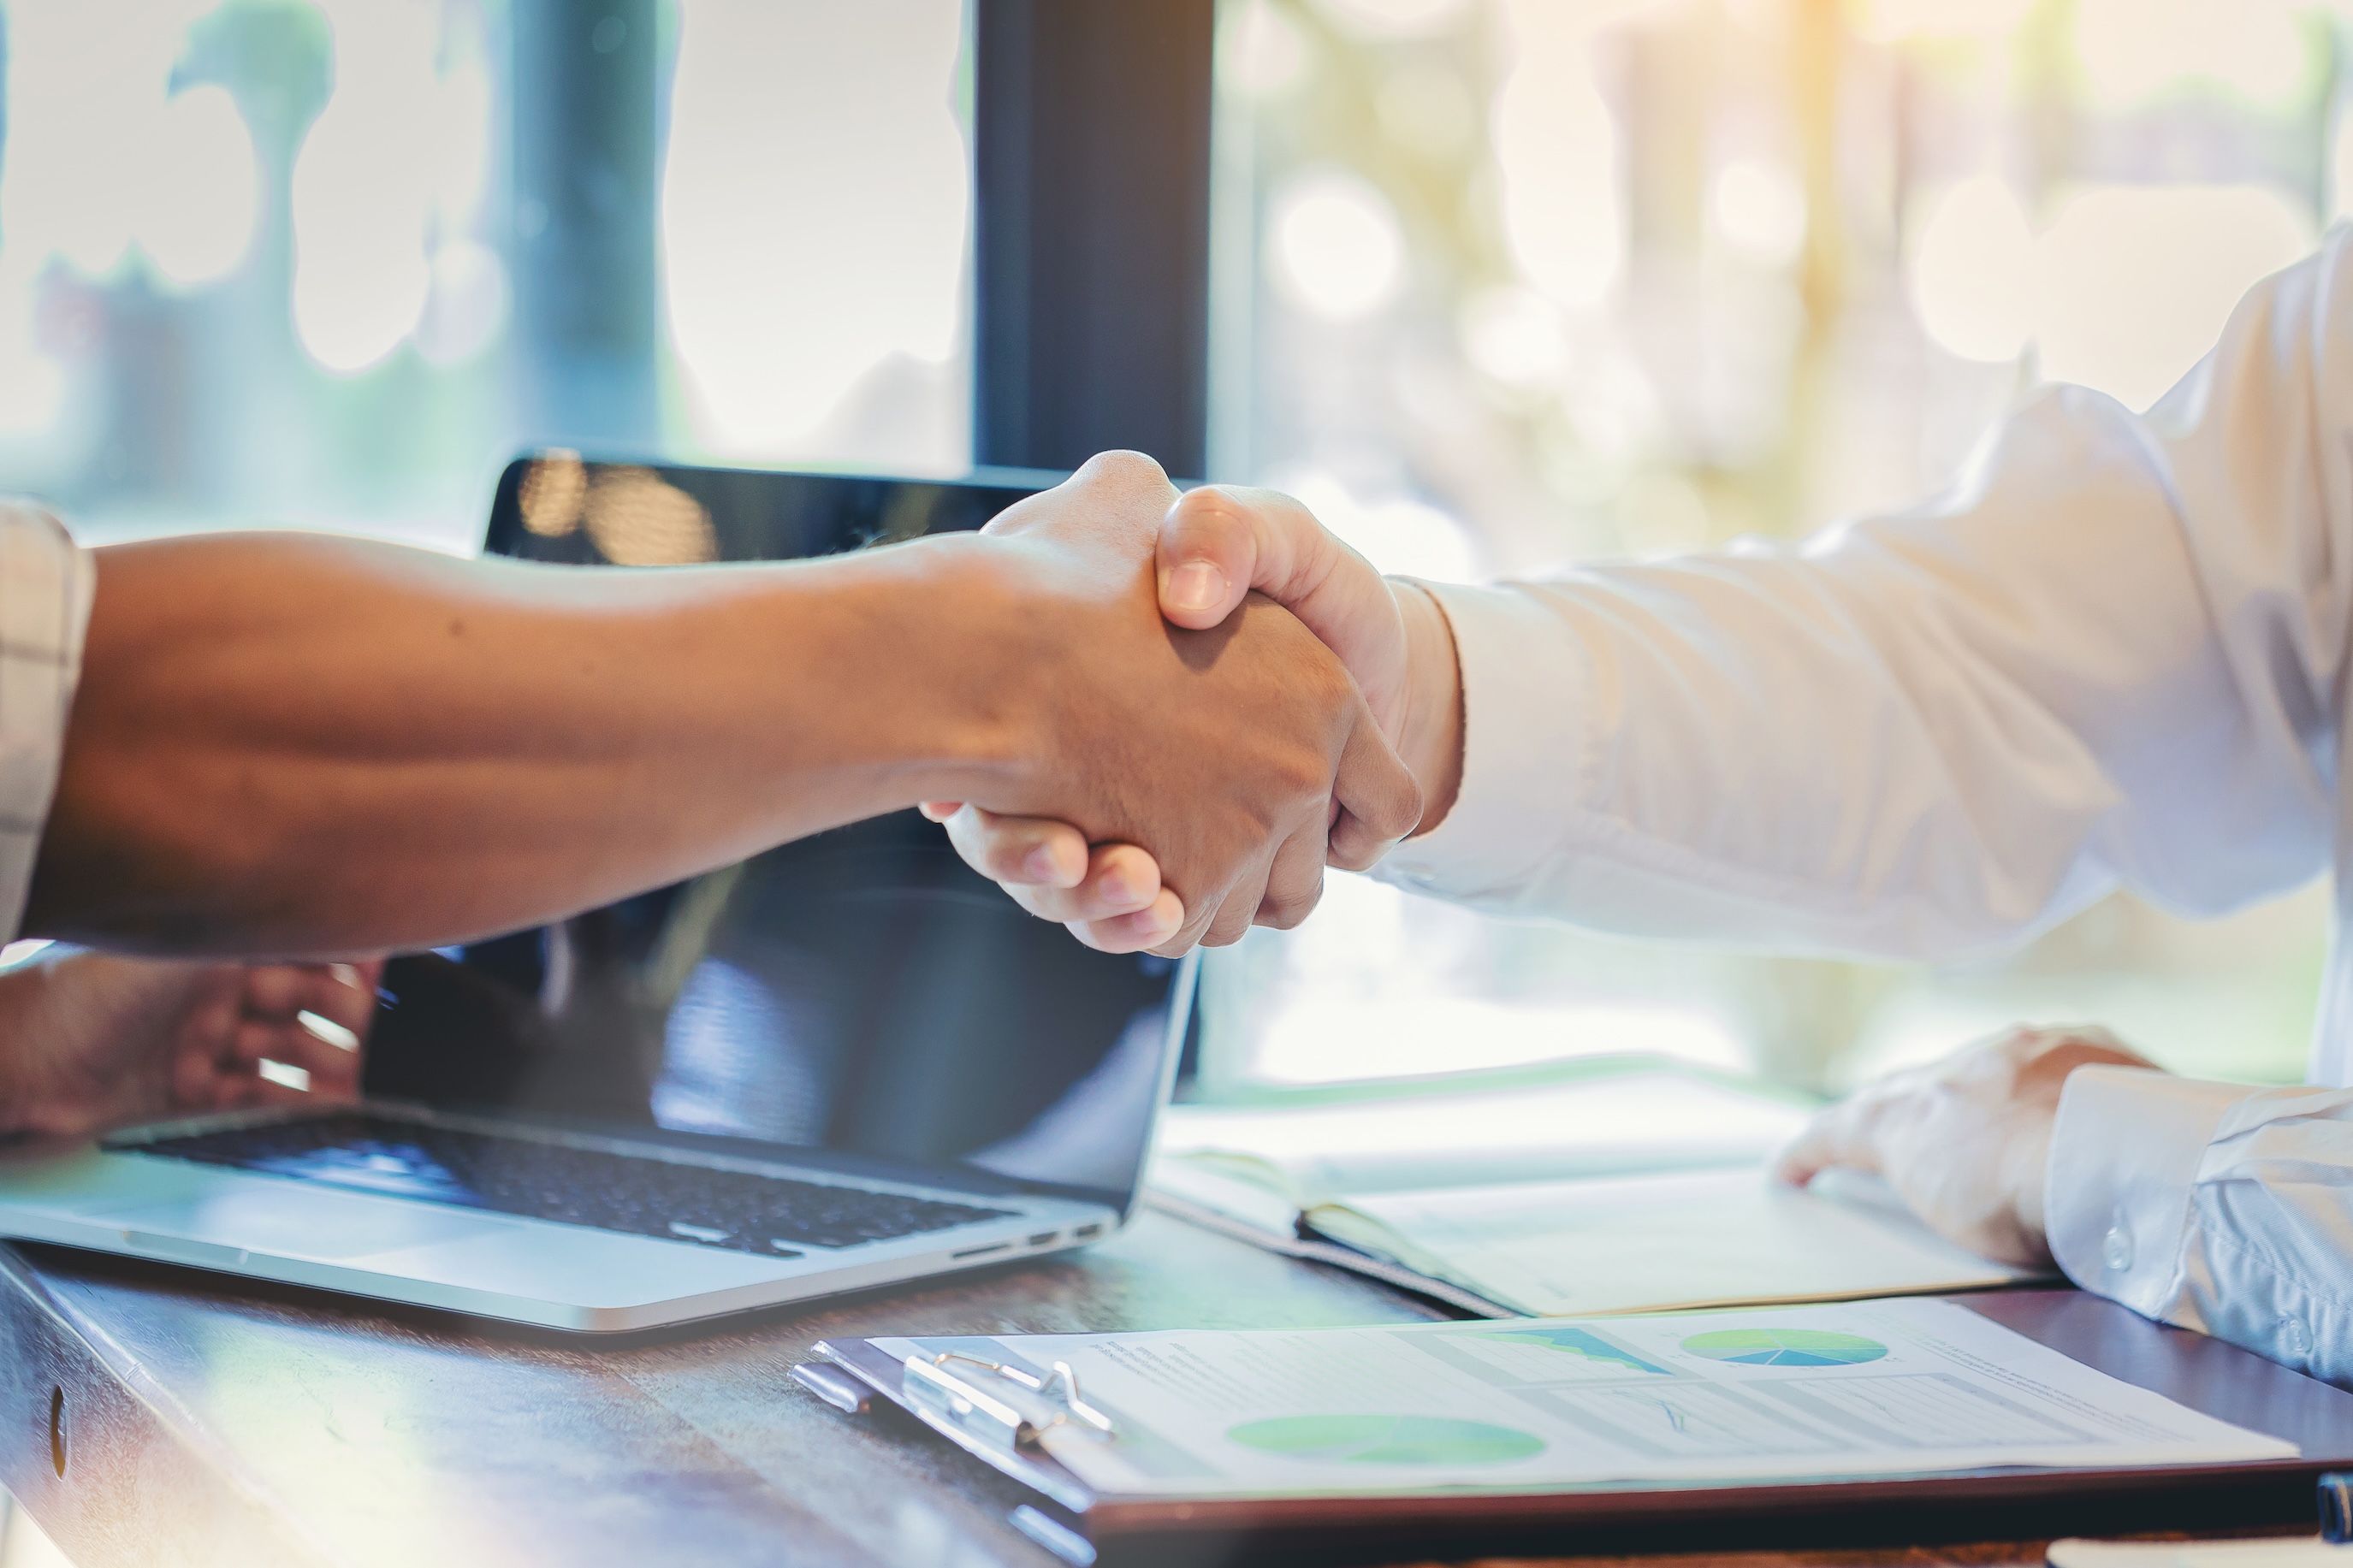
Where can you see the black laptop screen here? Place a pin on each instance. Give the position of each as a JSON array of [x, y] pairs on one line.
[[860, 993]]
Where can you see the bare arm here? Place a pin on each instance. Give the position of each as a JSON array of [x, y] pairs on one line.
[[303, 745]]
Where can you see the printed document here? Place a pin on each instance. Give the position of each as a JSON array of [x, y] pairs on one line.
[[1902, 1387]]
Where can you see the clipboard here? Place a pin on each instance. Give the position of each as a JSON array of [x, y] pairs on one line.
[[995, 1420]]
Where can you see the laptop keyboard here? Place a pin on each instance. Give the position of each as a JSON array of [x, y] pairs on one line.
[[608, 1191]]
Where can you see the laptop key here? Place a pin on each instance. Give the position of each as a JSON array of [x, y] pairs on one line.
[[598, 1188]]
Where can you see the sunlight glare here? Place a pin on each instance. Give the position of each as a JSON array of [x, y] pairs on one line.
[[815, 207], [395, 143]]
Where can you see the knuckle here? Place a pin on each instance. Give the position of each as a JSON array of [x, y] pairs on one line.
[[1204, 506], [1001, 857], [1306, 779], [1125, 468], [1282, 912]]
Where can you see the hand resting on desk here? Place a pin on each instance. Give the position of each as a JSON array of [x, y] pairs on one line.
[[1964, 1142]]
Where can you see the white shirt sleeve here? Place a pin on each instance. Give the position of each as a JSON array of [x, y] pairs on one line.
[[47, 582], [2114, 654], [2211, 1206]]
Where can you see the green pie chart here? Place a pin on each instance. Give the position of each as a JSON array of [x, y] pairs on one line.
[[1385, 1440], [1785, 1347]]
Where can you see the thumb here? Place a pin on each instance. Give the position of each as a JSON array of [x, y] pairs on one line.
[[1217, 542]]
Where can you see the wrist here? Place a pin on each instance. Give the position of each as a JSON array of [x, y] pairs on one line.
[[1429, 739], [946, 635]]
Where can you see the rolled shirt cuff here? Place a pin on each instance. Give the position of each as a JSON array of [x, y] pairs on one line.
[[2124, 1152], [1525, 710]]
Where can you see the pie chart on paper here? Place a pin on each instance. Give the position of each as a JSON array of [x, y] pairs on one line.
[[1785, 1347]]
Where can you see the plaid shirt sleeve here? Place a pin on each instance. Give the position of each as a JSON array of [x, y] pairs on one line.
[[46, 585]]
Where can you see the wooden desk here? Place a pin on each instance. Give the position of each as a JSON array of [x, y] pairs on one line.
[[204, 1421]]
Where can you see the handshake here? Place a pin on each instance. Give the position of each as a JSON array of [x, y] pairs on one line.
[[1268, 705]]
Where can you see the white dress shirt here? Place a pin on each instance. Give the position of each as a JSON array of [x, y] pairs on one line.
[[2117, 653], [46, 584]]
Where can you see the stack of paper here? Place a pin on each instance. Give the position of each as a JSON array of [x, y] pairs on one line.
[[1625, 1190], [1877, 1389]]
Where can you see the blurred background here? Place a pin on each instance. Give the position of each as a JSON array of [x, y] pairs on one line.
[[1494, 284]]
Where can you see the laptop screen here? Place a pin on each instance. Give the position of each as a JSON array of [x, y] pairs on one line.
[[859, 995]]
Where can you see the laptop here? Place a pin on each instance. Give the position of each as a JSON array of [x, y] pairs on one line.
[[845, 1063]]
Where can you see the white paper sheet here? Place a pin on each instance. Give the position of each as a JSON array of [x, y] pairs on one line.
[[1658, 1242], [1871, 1388]]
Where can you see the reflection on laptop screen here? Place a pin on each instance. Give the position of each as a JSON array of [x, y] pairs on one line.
[[860, 992]]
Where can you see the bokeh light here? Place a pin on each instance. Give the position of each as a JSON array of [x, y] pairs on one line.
[[2134, 282], [1759, 209], [1557, 156], [1972, 272], [1337, 249]]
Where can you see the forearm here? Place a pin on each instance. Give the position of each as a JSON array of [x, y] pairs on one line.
[[307, 745]]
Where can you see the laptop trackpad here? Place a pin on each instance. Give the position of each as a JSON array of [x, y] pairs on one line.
[[291, 1221]]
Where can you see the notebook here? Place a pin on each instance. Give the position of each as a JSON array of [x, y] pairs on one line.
[[1617, 1188]]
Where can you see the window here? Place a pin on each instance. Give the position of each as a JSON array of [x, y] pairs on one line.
[[1505, 282], [330, 262]]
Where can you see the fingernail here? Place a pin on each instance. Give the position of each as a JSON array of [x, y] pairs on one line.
[[1042, 866], [1197, 585], [1115, 888]]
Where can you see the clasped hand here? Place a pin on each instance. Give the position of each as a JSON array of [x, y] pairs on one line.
[[1217, 553]]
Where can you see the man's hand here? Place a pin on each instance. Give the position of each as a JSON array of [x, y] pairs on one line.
[[1964, 1142], [1216, 546], [1243, 754], [90, 1041]]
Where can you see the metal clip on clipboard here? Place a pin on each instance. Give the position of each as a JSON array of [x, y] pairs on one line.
[[1013, 1408]]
